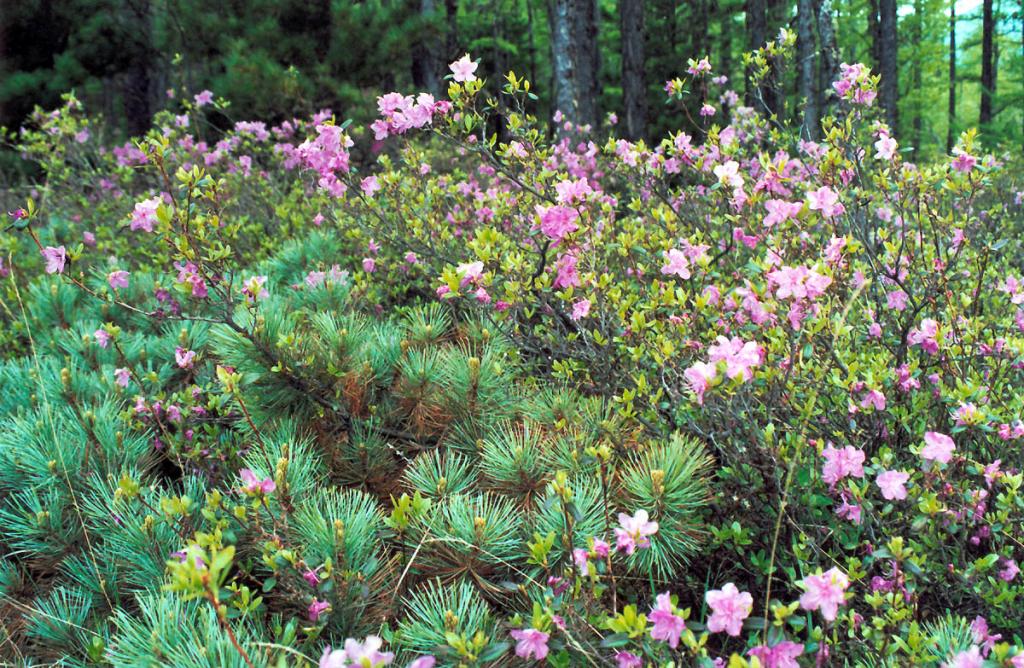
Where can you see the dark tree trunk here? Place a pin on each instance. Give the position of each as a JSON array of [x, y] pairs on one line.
[[588, 60], [918, 125], [829, 70], [988, 70], [634, 92], [563, 71], [426, 68], [875, 35], [138, 78], [757, 35], [889, 53], [951, 107], [451, 37], [806, 58], [726, 41]]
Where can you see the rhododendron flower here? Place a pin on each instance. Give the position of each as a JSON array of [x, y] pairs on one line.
[[423, 662], [463, 69], [556, 221], [925, 336], [699, 377], [369, 265], [118, 279], [729, 607], [470, 272], [825, 592], [628, 660], [896, 300], [369, 186], [530, 642], [1010, 571], [782, 655], [184, 358], [825, 200], [779, 210], [634, 532], [144, 215], [668, 626], [580, 309], [892, 484], [122, 376], [366, 654], [698, 67], [102, 337], [739, 356], [841, 463], [798, 283], [985, 640], [203, 98], [565, 272], [964, 162], [254, 485], [707, 110], [573, 191], [677, 264], [56, 257], [874, 399], [885, 148], [254, 289], [729, 172], [938, 447], [970, 658]]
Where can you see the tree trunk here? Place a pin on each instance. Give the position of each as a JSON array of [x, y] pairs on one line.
[[757, 34], [889, 53], [726, 42], [451, 37], [829, 71], [588, 59], [563, 71], [918, 125], [426, 69], [806, 57], [951, 108], [137, 81], [988, 74], [875, 35], [634, 92]]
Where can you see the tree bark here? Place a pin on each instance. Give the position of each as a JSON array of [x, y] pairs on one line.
[[138, 78], [451, 37], [757, 34], [426, 68], [574, 59], [888, 94], [988, 75], [875, 35], [806, 58], [634, 92], [829, 70], [563, 71], [951, 107], [918, 125], [588, 59]]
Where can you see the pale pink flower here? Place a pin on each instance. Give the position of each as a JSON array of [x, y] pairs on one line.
[[253, 484], [369, 265], [102, 338], [184, 358], [677, 264], [970, 658], [668, 626], [782, 655], [463, 69], [729, 607], [369, 186], [885, 148], [122, 376], [255, 289], [825, 200], [699, 377], [423, 662], [367, 653], [56, 257], [892, 484], [118, 279], [780, 210], [729, 172], [964, 162], [530, 643], [1009, 572], [204, 98], [841, 463], [634, 532], [938, 447], [739, 356], [580, 309], [557, 221], [144, 215], [825, 592]]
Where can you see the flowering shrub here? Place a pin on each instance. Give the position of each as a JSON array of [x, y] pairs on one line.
[[429, 393]]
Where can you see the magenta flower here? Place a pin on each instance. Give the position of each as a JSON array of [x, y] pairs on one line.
[[369, 186], [144, 215], [892, 484], [580, 309], [530, 642], [56, 257], [122, 376], [634, 532], [463, 69], [841, 463], [565, 272], [317, 608], [254, 485], [184, 358], [557, 221], [782, 655], [668, 626], [203, 98], [825, 592], [729, 607], [699, 377], [628, 660], [118, 279], [964, 162], [938, 447], [1009, 571]]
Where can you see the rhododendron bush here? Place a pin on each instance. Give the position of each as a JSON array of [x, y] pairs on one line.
[[460, 388]]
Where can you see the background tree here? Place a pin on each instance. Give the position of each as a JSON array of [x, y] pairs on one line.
[[634, 90], [888, 52]]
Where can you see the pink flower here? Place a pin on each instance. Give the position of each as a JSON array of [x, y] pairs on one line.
[[122, 376], [255, 289], [892, 484], [729, 607], [369, 265], [739, 356], [102, 338], [897, 300], [530, 642], [628, 660], [825, 200], [668, 626], [841, 463], [463, 69], [144, 215], [634, 532], [1009, 572], [825, 592], [254, 485], [780, 210], [366, 654], [369, 186], [204, 98], [565, 272], [580, 309], [964, 162], [873, 398], [798, 282], [729, 172], [677, 264], [970, 658], [885, 148], [118, 279], [184, 358], [471, 272], [556, 222], [938, 447], [699, 377], [423, 662], [782, 655], [56, 257]]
